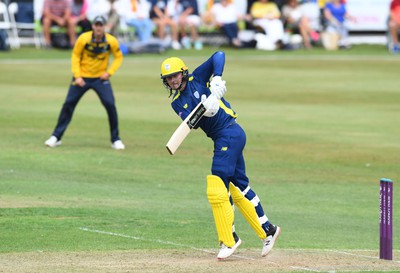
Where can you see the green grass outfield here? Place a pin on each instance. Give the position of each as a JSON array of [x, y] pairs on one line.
[[322, 129]]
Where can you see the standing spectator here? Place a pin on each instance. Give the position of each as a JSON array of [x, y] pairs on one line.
[[189, 18], [136, 13], [266, 15], [78, 16], [90, 69], [56, 12], [295, 21], [394, 25], [226, 17], [336, 14], [160, 16]]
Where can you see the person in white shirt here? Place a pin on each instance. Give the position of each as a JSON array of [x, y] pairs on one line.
[[98, 8], [226, 17], [296, 21], [136, 13]]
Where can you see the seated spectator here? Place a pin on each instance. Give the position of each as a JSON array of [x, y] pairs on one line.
[[266, 15], [112, 26], [312, 11], [394, 25], [78, 16], [336, 14], [225, 16], [188, 17], [160, 16], [56, 12], [136, 13], [321, 6], [296, 22]]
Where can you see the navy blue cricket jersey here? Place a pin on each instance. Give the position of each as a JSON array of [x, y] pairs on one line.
[[185, 101]]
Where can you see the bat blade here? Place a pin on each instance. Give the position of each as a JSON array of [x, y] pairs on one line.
[[184, 128]]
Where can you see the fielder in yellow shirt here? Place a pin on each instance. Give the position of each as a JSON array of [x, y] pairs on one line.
[[91, 70]]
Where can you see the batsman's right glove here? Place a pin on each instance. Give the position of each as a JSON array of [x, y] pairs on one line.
[[211, 104], [218, 87]]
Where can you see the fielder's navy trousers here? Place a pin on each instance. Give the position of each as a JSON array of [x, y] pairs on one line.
[[75, 93]]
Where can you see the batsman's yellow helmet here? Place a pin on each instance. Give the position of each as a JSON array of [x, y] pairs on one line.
[[172, 66]]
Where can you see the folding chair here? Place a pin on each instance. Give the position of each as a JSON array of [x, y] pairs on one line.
[[20, 26], [5, 24]]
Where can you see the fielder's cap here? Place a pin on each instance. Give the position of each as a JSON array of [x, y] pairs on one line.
[[99, 20]]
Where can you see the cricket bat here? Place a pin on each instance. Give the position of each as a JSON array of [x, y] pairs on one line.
[[184, 129]]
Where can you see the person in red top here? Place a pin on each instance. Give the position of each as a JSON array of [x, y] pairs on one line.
[[56, 12], [394, 25]]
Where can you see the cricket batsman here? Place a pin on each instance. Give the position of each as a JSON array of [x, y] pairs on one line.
[[228, 173]]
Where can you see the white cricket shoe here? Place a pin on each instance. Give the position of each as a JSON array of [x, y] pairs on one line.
[[268, 243], [118, 145], [52, 142], [225, 251]]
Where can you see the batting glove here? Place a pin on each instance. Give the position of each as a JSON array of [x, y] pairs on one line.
[[211, 104], [218, 87]]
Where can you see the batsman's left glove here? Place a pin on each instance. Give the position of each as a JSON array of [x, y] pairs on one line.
[[211, 104], [218, 87]]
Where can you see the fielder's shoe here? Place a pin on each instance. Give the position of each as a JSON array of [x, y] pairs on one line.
[[118, 145], [225, 251], [272, 236], [52, 142]]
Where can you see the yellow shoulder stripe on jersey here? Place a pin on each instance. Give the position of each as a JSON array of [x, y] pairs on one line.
[[176, 95], [179, 92], [227, 110]]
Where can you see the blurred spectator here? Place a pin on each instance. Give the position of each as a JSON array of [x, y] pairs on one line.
[[112, 25], [136, 13], [241, 7], [336, 14], [321, 3], [78, 16], [98, 8], [312, 12], [56, 12], [296, 22], [266, 16], [187, 13], [279, 3], [225, 16], [394, 25], [160, 16]]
